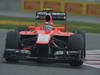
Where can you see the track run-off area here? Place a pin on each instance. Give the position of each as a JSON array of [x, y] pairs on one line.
[[92, 58], [90, 66]]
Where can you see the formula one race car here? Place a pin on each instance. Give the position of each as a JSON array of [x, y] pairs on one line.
[[46, 43]]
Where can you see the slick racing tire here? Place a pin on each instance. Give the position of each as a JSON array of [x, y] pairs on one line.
[[76, 44], [76, 63], [23, 28], [11, 60], [84, 41], [12, 42]]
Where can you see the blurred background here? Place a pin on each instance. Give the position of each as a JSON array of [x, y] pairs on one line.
[[10, 5], [83, 13], [83, 7]]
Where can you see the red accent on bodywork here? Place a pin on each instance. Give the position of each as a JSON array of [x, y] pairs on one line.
[[27, 48], [35, 28], [55, 31], [39, 30], [42, 42], [58, 28]]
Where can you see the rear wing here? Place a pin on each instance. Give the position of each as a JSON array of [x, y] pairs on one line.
[[40, 15]]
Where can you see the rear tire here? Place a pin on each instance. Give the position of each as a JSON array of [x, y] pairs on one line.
[[12, 42]]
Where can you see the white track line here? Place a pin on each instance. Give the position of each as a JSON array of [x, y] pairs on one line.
[[92, 58], [95, 66]]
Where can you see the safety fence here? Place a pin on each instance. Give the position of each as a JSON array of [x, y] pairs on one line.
[[80, 8]]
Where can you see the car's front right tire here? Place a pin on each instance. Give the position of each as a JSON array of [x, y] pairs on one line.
[[76, 43], [76, 63]]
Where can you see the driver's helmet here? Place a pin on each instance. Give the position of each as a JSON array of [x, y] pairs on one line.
[[48, 22], [48, 19]]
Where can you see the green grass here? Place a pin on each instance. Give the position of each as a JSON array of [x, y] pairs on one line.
[[88, 27], [72, 25], [16, 19], [7, 26]]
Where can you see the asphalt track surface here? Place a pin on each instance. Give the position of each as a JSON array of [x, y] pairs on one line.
[[33, 68]]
